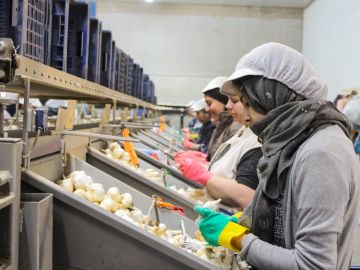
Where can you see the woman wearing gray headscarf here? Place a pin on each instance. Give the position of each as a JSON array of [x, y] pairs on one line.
[[305, 210]]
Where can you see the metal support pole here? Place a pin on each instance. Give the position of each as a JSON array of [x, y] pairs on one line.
[[2, 108], [114, 111], [25, 136]]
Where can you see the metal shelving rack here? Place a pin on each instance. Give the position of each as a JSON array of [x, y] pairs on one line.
[[43, 81]]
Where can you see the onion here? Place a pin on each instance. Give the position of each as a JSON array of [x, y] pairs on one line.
[[118, 153], [95, 192], [108, 204], [126, 200], [126, 156], [81, 181], [114, 193], [81, 193], [114, 145], [67, 184]]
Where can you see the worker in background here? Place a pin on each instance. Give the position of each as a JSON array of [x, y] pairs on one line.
[[226, 127], [202, 142], [305, 211], [194, 124], [231, 174], [352, 110]]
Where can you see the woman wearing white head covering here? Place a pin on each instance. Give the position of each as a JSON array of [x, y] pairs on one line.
[[305, 210]]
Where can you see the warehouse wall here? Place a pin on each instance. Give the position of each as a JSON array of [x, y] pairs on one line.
[[331, 42], [182, 46]]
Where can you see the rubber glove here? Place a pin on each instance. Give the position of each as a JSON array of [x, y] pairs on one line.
[[196, 155], [219, 229], [194, 171], [189, 145]]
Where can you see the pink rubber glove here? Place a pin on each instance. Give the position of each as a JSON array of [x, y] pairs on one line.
[[189, 145], [195, 155], [194, 171]]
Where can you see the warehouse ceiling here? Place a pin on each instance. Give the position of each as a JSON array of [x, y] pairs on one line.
[[258, 3]]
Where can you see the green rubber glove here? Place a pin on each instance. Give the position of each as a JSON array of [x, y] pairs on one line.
[[219, 229]]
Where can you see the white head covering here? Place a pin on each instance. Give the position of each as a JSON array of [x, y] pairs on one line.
[[190, 103], [199, 105], [279, 62], [215, 83], [352, 110]]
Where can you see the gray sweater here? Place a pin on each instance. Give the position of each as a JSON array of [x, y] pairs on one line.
[[321, 209]]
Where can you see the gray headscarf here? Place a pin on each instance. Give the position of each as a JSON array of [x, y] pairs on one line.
[[289, 120]]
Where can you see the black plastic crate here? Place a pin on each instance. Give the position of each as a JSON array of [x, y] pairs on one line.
[[28, 23], [106, 49], [112, 65], [129, 74], [59, 40], [94, 50], [78, 39], [117, 69]]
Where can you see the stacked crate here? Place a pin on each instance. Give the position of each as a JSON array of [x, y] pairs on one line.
[[59, 41], [94, 50], [122, 71], [28, 24], [129, 74], [106, 49], [78, 39]]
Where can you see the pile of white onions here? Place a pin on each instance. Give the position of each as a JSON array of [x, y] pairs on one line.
[[122, 205]]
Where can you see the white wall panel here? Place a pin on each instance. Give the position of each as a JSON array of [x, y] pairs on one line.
[[182, 47], [331, 41]]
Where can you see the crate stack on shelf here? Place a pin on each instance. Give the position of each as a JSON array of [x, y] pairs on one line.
[[129, 74], [113, 65], [122, 70], [59, 41], [106, 49], [94, 50], [60, 33], [78, 39], [28, 23]]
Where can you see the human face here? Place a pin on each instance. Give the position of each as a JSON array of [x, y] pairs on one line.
[[253, 116], [202, 116], [214, 107], [237, 110]]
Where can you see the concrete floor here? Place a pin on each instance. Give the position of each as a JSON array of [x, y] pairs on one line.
[[356, 253]]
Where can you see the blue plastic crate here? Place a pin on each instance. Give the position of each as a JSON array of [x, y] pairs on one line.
[[78, 39], [112, 64], [129, 74], [106, 49], [28, 23], [94, 50], [59, 40], [117, 69], [5, 18], [145, 91]]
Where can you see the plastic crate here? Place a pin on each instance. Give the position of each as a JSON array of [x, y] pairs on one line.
[[5, 18], [78, 39], [28, 23], [135, 80], [94, 50], [106, 48], [122, 71], [144, 95], [129, 74], [152, 93], [59, 41], [112, 65]]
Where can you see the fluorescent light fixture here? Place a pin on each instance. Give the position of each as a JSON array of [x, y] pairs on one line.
[[149, 1]]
